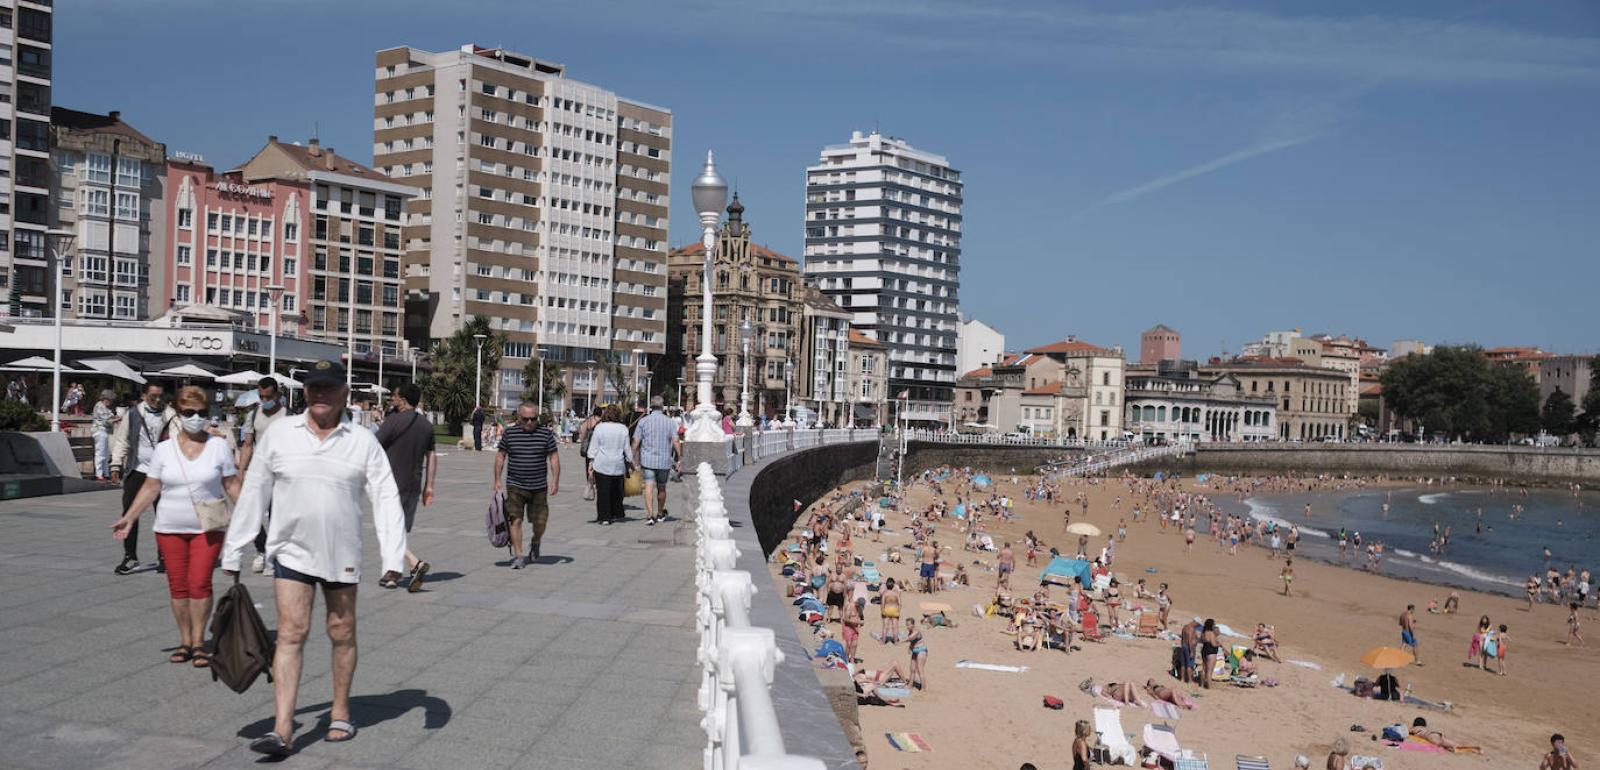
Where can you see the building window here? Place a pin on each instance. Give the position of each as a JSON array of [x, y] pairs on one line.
[[183, 292], [185, 255], [289, 266], [127, 306], [186, 218], [97, 168], [130, 172], [127, 206], [291, 231], [96, 202]]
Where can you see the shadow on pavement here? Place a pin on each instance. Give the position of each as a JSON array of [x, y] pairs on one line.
[[365, 711]]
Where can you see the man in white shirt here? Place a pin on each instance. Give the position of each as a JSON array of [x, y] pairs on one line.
[[147, 424], [314, 469]]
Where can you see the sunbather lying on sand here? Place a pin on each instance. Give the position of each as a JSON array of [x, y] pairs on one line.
[[867, 683], [1163, 692], [1420, 729], [1116, 691]]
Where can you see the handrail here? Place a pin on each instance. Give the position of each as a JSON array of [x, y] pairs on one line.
[[738, 660]]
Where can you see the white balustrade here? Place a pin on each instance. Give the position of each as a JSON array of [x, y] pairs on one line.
[[737, 660]]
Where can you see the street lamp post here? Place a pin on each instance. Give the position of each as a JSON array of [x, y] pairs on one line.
[[746, 331], [638, 358], [477, 380], [274, 290], [710, 194], [61, 240], [788, 393], [540, 351]]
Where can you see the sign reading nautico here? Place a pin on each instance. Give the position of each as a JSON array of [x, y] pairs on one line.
[[199, 342], [248, 191]]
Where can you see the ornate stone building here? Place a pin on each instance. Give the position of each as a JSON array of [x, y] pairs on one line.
[[1172, 400], [1068, 389], [750, 282]]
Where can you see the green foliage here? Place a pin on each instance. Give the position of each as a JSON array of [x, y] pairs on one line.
[[448, 388], [18, 416], [1456, 391], [554, 384], [1556, 418]]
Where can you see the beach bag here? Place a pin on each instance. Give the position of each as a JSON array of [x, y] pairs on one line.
[[1394, 733], [633, 484], [241, 647], [1052, 702], [494, 522], [214, 515]]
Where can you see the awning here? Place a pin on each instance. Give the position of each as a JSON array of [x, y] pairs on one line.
[[923, 416], [246, 377]]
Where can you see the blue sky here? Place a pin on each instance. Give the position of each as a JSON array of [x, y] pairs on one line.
[[1226, 169]]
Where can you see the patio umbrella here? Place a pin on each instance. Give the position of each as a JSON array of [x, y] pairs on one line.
[[113, 367], [287, 381], [1083, 528], [38, 364], [246, 377], [248, 398], [186, 371], [1387, 657]]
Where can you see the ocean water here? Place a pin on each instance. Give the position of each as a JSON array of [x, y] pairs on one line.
[[1499, 558]]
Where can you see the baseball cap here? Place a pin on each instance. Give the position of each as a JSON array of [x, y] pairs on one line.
[[325, 372]]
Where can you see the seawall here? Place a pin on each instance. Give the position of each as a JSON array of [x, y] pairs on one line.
[[1549, 466]]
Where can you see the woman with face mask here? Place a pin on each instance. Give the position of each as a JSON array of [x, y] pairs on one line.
[[189, 474]]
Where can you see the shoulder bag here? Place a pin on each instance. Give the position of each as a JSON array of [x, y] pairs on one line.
[[214, 514]]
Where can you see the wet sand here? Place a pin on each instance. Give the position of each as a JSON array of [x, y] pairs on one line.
[[986, 719]]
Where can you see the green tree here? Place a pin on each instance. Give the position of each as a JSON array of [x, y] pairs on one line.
[[554, 384], [1456, 391], [18, 416], [1588, 424], [448, 388], [1556, 419]]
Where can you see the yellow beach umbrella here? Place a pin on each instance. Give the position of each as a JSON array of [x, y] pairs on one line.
[[1387, 657], [1083, 528]]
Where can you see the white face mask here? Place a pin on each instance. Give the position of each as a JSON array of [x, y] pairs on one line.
[[196, 424]]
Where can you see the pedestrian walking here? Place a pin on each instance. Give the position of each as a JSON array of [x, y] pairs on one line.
[[318, 469], [184, 475], [585, 429], [147, 424], [105, 419], [608, 464], [270, 408], [655, 445], [407, 437], [478, 416], [528, 470]]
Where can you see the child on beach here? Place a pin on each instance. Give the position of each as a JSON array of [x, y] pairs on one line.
[[890, 609], [1501, 639]]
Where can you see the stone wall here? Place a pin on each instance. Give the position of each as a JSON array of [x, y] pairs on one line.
[[806, 476], [1558, 466], [994, 458]]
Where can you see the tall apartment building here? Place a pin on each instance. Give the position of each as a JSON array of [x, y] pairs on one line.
[[110, 183], [25, 205], [883, 240], [544, 205], [324, 227]]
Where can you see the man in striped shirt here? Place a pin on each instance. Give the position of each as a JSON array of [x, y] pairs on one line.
[[528, 470]]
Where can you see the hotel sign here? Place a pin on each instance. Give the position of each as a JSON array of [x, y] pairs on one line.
[[247, 191]]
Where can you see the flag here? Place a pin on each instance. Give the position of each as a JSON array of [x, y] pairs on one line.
[[904, 394]]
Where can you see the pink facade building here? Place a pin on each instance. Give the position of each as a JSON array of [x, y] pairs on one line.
[[1161, 343], [231, 239]]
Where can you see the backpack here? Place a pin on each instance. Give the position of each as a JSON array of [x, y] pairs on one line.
[[494, 523], [242, 647]]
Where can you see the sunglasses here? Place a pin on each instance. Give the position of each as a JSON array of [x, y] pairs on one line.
[[527, 419], [191, 412]]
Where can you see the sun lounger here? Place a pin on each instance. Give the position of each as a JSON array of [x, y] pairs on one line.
[[1149, 624], [1243, 762], [1163, 741], [1191, 763], [1108, 724]]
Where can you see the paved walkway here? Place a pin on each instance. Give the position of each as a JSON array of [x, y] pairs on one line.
[[585, 660]]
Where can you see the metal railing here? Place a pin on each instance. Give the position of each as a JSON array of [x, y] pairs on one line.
[[737, 659], [1008, 439], [1118, 458]]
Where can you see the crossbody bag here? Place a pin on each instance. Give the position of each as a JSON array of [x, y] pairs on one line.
[[214, 514]]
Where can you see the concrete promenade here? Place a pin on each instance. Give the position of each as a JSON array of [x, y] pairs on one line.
[[584, 660]]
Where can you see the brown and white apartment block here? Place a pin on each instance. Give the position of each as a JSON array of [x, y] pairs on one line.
[[25, 71], [543, 206]]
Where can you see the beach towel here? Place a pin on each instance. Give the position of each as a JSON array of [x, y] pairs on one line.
[[1108, 724], [1417, 744], [911, 742], [894, 692], [1162, 740], [1364, 762], [990, 666], [1243, 762], [1165, 710], [1306, 664]]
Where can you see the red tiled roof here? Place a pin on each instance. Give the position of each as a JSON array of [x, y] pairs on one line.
[[1047, 389], [977, 373], [1068, 346], [859, 338], [755, 250], [1375, 389], [91, 121]]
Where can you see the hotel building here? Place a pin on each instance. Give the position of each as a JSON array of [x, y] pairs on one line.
[[324, 227], [544, 206], [25, 205], [883, 240]]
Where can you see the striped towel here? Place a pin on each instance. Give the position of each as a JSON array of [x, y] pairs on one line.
[[912, 742], [1243, 762]]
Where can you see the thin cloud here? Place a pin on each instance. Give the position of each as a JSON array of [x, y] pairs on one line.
[[1210, 166]]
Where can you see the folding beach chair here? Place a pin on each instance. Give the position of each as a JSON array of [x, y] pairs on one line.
[[1163, 741], [1149, 625], [1243, 762], [1108, 724], [1191, 762]]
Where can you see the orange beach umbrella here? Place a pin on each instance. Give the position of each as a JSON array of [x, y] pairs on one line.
[[1387, 657]]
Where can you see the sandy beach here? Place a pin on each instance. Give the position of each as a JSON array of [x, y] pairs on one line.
[[989, 719]]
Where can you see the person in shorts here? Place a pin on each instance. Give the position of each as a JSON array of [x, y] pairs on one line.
[[528, 470], [655, 442], [407, 438]]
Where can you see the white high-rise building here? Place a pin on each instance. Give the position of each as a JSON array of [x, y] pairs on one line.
[[27, 271], [883, 240]]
